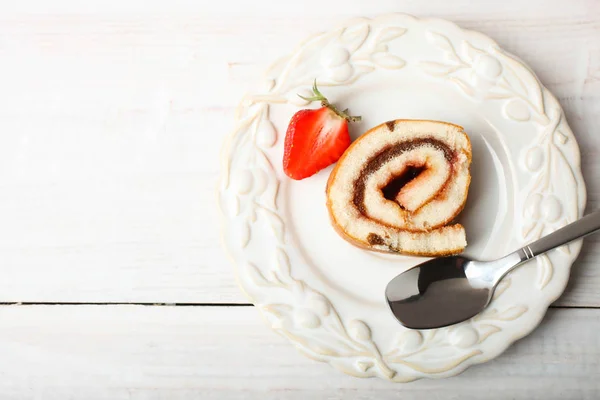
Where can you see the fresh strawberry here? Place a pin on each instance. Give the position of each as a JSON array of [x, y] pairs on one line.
[[315, 138]]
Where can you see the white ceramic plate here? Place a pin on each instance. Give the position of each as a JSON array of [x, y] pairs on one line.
[[325, 295]]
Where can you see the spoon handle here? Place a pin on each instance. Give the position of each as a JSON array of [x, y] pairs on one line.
[[576, 230]]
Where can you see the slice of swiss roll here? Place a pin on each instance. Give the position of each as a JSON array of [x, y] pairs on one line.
[[399, 186]]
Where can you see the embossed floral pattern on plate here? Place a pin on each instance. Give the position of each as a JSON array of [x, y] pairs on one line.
[[257, 234]]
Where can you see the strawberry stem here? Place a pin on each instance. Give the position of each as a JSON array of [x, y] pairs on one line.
[[318, 96]]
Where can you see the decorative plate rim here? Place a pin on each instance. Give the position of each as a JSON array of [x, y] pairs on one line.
[[357, 332]]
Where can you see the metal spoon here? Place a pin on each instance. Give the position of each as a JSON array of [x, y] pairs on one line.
[[448, 290]]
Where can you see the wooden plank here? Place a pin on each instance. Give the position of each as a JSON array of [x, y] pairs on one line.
[[149, 352], [108, 153]]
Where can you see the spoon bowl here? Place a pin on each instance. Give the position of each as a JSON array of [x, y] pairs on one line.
[[437, 293]]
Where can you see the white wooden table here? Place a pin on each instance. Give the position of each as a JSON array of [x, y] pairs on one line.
[[113, 283]]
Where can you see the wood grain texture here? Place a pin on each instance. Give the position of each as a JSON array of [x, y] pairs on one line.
[[137, 352], [112, 118]]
